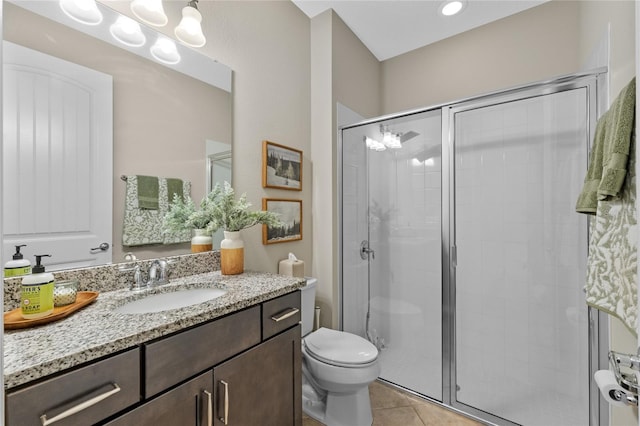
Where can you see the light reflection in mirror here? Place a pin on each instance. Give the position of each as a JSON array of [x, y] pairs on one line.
[[218, 171]]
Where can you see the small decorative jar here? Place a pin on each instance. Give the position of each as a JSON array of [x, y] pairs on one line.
[[201, 241], [232, 253], [65, 292]]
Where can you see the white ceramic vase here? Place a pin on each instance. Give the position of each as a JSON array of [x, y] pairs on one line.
[[232, 253], [201, 241]]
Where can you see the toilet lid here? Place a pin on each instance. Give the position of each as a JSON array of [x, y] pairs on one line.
[[339, 348]]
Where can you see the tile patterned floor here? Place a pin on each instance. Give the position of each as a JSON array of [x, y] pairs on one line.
[[392, 407]]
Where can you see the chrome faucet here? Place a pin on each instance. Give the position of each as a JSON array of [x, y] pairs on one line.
[[158, 275]]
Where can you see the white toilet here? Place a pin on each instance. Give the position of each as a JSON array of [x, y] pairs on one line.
[[337, 368]]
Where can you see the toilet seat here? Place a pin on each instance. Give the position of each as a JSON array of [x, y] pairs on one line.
[[340, 348]]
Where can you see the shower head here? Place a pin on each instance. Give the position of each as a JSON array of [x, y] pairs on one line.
[[402, 136], [408, 135]]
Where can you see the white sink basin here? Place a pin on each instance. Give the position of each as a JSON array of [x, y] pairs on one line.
[[173, 300]]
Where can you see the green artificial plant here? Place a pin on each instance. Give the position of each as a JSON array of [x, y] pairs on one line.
[[218, 209]]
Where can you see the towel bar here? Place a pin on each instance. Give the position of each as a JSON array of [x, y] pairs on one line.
[[625, 360], [123, 177]]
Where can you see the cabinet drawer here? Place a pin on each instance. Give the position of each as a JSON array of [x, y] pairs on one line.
[[280, 313], [178, 357], [63, 393], [188, 404]]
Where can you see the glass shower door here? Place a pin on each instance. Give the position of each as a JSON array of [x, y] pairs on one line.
[[521, 334], [354, 230], [392, 202]]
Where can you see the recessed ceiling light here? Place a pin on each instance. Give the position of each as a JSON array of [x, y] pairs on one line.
[[450, 8]]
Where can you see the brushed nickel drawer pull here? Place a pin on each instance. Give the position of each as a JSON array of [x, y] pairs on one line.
[[225, 418], [209, 408], [285, 314], [82, 406]]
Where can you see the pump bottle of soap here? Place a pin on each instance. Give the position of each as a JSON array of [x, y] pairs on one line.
[[36, 292], [18, 266]]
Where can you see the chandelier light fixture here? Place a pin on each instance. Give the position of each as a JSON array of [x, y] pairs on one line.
[[84, 11], [127, 31], [150, 12], [164, 50], [189, 31]]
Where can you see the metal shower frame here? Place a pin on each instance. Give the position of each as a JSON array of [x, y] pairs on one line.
[[593, 81]]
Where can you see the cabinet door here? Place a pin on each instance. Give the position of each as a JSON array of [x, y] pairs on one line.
[[188, 404], [262, 386]]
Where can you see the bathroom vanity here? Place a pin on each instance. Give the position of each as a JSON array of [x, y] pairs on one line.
[[233, 360]]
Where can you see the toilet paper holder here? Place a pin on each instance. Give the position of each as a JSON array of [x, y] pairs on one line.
[[628, 382]]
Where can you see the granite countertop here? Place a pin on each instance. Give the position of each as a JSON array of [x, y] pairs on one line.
[[97, 330]]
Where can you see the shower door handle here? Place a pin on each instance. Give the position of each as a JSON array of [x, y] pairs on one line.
[[365, 251]]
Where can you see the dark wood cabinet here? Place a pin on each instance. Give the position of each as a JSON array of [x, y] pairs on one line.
[[82, 396], [261, 386], [242, 369], [280, 314], [173, 359], [190, 404]]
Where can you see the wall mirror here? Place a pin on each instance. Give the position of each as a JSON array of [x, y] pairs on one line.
[[165, 121], [219, 170]]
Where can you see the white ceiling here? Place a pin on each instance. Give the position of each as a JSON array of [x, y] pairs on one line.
[[392, 27]]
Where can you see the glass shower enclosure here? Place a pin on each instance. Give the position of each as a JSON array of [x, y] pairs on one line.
[[462, 258]]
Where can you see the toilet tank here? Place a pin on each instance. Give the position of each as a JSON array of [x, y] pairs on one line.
[[308, 299]]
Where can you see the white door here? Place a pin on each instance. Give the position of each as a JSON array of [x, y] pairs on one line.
[[57, 159]]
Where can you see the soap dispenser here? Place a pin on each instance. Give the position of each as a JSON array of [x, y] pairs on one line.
[[36, 292], [18, 266]]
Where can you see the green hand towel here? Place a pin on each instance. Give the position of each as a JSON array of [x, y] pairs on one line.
[[618, 138], [588, 198], [610, 152], [148, 189], [174, 187]]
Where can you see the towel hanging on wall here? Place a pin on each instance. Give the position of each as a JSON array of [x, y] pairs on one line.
[[143, 226], [148, 192], [182, 189], [174, 188], [609, 159], [612, 262]]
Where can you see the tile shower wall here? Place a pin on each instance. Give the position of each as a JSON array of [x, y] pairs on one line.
[[521, 321]]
